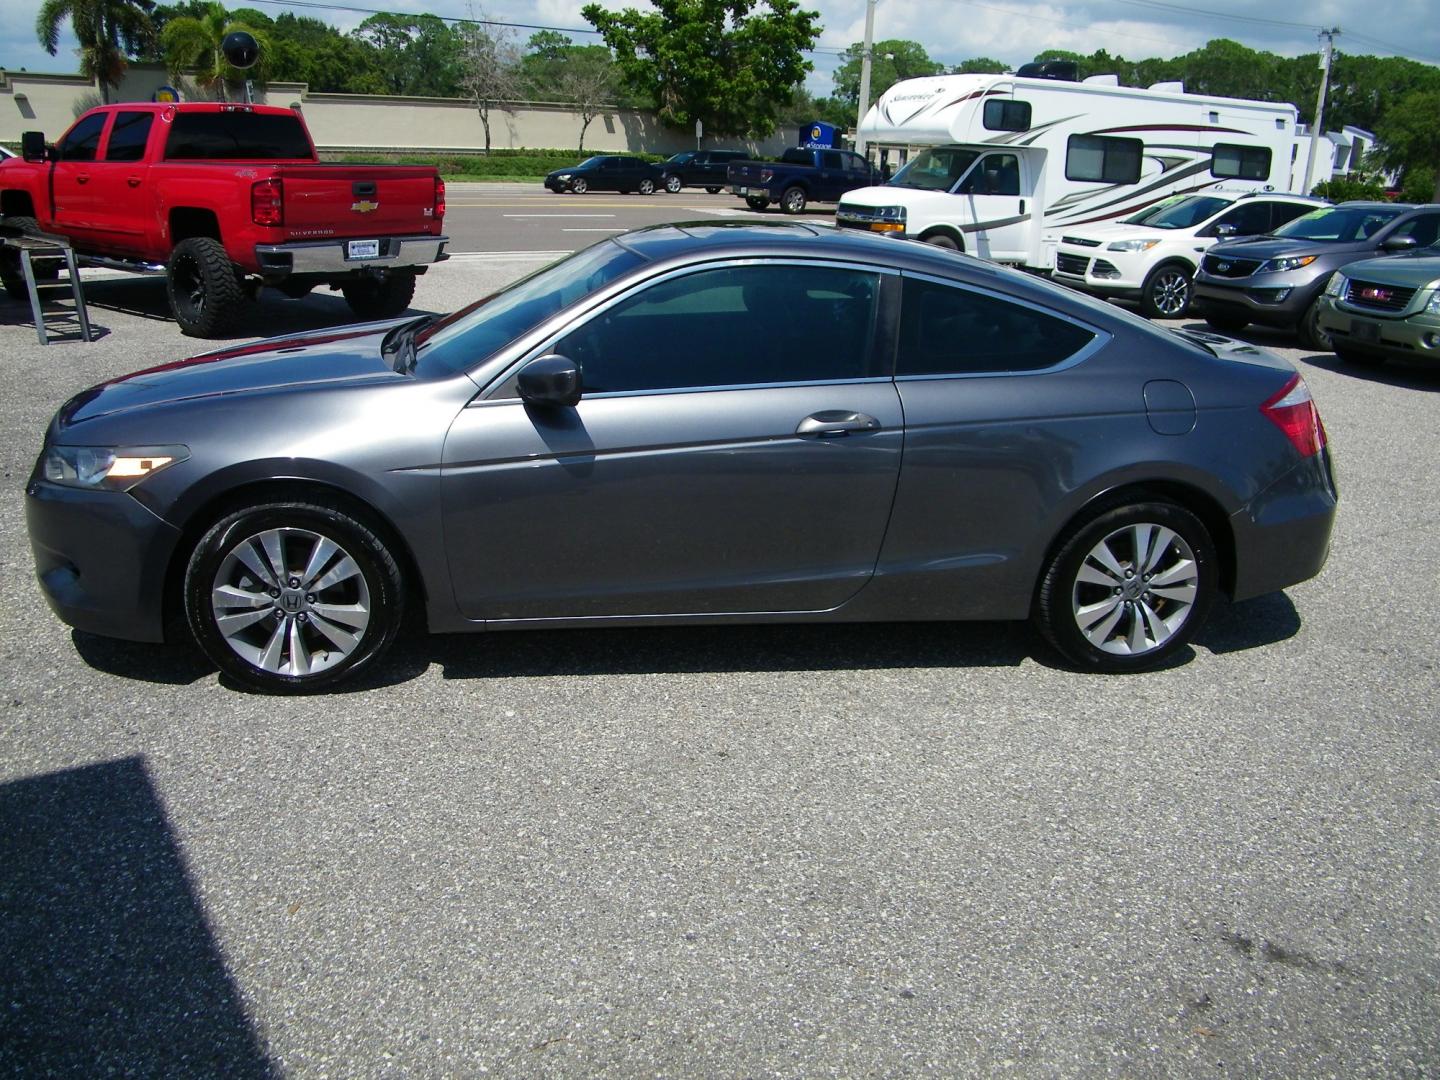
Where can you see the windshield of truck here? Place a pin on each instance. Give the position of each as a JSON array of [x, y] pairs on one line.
[[1187, 213], [462, 340], [935, 170], [1340, 223], [235, 136]]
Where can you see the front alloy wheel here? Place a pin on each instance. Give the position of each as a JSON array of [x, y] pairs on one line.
[[579, 185], [647, 186], [292, 597], [1166, 293], [673, 185]]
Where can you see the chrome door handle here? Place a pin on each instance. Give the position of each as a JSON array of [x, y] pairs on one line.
[[836, 422]]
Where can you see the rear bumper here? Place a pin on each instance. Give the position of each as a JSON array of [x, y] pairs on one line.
[[101, 559], [278, 261], [1282, 536]]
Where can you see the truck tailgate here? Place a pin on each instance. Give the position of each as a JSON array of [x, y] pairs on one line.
[[359, 200], [745, 172]]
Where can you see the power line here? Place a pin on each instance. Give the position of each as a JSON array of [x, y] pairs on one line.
[[1074, 26], [1185, 10]]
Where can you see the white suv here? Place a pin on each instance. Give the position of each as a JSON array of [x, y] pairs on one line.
[[1154, 261]]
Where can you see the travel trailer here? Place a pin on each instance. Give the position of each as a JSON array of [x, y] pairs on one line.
[[1000, 165]]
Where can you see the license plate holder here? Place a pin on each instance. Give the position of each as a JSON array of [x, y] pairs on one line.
[[362, 249], [741, 189], [1363, 330]]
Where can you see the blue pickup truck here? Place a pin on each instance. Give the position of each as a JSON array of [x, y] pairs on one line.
[[801, 176]]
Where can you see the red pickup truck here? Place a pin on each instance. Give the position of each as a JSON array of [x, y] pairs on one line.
[[224, 199]]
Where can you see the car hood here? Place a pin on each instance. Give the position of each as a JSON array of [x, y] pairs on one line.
[[910, 198], [1272, 247], [1414, 270], [1117, 231], [343, 354]]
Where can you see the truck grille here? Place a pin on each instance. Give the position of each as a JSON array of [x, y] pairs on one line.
[[1074, 265], [1075, 241], [1369, 294], [1225, 266]]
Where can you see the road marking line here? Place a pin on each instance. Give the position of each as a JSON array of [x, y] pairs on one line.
[[501, 256], [557, 215], [594, 230]]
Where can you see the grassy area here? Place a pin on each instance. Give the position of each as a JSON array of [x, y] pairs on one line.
[[522, 166]]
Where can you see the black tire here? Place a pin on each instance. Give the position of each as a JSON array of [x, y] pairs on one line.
[[206, 294], [673, 185], [756, 202], [942, 240], [579, 185], [1226, 324], [1310, 332], [12, 275], [1167, 291], [713, 190], [243, 652], [1065, 598], [793, 200], [647, 186], [380, 298]]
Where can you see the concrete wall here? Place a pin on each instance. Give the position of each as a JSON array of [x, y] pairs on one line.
[[50, 103]]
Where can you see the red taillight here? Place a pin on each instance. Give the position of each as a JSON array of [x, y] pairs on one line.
[[1293, 411], [267, 202], [439, 198], [766, 175]]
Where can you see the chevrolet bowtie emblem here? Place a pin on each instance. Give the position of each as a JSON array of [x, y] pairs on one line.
[[364, 206]]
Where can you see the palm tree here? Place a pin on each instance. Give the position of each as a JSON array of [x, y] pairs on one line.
[[190, 44], [106, 29]]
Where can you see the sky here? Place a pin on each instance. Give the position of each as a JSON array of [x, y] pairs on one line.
[[1012, 31]]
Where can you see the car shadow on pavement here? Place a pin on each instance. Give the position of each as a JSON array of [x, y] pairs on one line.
[[178, 664], [107, 963], [1250, 624], [1407, 376]]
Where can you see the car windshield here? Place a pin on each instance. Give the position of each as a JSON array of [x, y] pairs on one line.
[[1152, 210], [1342, 223], [680, 159], [935, 170], [463, 339], [588, 163], [1187, 213]]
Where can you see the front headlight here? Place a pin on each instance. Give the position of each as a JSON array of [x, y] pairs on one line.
[[563, 176], [1433, 307], [1290, 262], [889, 213], [1131, 245], [110, 468], [1336, 285]]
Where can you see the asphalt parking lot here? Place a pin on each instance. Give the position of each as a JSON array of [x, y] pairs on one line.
[[784, 851]]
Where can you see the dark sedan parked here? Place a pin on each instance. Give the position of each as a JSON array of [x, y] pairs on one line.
[[607, 173], [699, 168], [854, 430]]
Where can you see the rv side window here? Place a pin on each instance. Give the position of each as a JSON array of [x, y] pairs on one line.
[[1232, 162], [1103, 159], [1006, 116]]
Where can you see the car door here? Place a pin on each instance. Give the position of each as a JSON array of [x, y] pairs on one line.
[[996, 190], [76, 203], [735, 450], [118, 184], [830, 183]]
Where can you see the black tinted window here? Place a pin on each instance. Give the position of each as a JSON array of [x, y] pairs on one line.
[[950, 331], [128, 135], [1422, 228], [733, 326], [1248, 218], [80, 142], [1103, 159], [1006, 115], [832, 159], [1287, 211], [235, 136], [797, 155], [1229, 161]]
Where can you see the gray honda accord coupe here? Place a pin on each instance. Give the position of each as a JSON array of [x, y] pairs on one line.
[[689, 424]]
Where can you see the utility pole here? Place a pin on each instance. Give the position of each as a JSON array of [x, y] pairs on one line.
[[1318, 128], [865, 74]]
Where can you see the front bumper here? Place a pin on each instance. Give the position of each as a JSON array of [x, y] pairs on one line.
[[1095, 270], [279, 261], [1268, 299], [1282, 536], [101, 559], [1417, 336]]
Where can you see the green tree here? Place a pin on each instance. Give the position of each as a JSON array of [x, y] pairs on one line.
[[1410, 137], [106, 29], [193, 45], [980, 65], [732, 64], [415, 55], [890, 61]]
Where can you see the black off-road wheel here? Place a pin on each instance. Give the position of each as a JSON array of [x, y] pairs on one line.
[[206, 293], [292, 597], [12, 275], [1127, 587], [380, 298]]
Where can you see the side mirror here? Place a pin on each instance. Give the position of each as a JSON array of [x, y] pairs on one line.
[[550, 381], [32, 146], [1399, 243], [1224, 232]]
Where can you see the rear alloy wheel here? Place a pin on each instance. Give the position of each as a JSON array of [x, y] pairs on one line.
[[793, 201], [1128, 588], [673, 185], [1311, 334], [380, 298], [292, 597], [206, 293], [579, 185], [756, 202], [1166, 293], [647, 186]]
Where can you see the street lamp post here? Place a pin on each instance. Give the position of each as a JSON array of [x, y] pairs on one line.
[[865, 74]]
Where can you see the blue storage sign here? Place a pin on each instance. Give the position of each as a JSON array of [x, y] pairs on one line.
[[817, 134]]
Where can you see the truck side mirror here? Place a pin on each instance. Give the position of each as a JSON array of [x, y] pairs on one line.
[[32, 146], [549, 381]]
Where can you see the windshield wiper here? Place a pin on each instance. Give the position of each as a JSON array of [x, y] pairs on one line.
[[401, 342]]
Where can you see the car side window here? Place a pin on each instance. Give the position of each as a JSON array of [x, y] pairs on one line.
[[80, 142], [1248, 218], [995, 174], [832, 159], [128, 136], [1422, 228], [947, 330], [1286, 211], [734, 326]]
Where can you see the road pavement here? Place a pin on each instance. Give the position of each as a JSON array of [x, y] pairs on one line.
[[782, 851]]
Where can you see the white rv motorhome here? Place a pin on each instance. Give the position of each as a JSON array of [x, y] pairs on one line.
[[1005, 162]]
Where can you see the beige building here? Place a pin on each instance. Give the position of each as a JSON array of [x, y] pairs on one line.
[[50, 103]]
